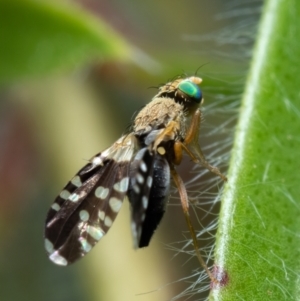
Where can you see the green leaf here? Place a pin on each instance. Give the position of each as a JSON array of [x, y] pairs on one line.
[[38, 38], [258, 240]]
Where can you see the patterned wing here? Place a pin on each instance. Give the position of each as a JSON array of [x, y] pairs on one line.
[[148, 194], [86, 208]]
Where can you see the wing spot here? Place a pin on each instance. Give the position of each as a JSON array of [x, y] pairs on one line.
[[139, 178], [107, 221], [80, 225], [101, 214], [84, 215], [97, 161], [149, 181], [115, 204], [49, 246], [65, 194], [74, 197], [101, 192], [86, 246], [95, 232], [145, 202], [136, 188], [143, 217], [55, 207], [58, 259], [122, 186], [76, 181], [143, 166], [134, 234]]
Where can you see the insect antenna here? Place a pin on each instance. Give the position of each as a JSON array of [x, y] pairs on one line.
[[196, 72]]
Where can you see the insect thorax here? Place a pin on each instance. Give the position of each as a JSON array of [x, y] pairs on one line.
[[158, 114]]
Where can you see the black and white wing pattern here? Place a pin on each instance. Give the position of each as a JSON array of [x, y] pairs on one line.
[[87, 206], [148, 194]]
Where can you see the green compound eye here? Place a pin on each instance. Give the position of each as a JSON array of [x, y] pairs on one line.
[[191, 90]]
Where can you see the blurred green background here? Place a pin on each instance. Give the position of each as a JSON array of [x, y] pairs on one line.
[[72, 73]]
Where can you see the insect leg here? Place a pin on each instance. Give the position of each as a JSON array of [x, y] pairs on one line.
[[178, 146], [192, 137], [185, 206], [194, 128]]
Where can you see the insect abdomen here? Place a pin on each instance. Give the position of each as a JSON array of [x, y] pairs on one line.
[[147, 194], [157, 200]]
